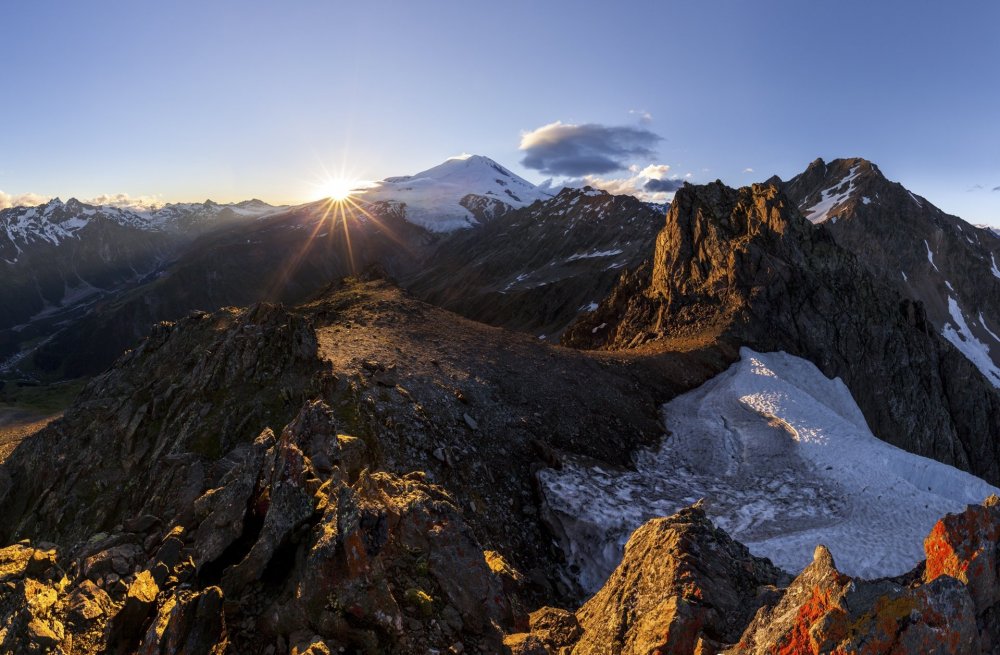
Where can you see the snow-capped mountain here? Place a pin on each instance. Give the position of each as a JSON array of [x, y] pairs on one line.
[[461, 192], [55, 221], [950, 266], [783, 460]]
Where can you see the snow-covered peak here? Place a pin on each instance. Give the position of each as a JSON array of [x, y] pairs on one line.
[[55, 221], [433, 198]]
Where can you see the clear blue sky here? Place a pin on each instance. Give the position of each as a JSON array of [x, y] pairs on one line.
[[235, 99]]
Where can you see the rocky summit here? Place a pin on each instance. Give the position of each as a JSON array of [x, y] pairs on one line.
[[547, 424]]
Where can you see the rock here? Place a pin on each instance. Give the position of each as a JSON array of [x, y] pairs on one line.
[[555, 627], [824, 611], [124, 628], [965, 547], [681, 579], [187, 622], [524, 643], [471, 422]]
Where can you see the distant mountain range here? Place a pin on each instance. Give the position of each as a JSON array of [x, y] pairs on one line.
[[692, 415]]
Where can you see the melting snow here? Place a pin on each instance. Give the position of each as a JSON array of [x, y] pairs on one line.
[[975, 350], [993, 266], [785, 461]]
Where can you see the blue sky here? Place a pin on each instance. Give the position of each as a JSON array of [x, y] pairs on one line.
[[230, 100]]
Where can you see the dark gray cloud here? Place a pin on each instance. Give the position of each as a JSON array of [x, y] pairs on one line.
[[655, 186], [591, 149]]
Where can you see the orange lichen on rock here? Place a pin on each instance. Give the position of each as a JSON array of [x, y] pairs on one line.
[[964, 546]]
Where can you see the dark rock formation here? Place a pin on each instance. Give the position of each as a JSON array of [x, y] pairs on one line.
[[743, 266]]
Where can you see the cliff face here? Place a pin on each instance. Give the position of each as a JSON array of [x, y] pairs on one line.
[[744, 266]]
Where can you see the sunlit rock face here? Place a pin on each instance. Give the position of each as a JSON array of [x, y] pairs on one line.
[[745, 266]]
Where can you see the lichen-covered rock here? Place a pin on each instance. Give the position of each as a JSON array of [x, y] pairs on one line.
[[824, 611], [965, 547]]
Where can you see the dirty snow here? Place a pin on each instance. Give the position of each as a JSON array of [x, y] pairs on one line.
[[785, 461]]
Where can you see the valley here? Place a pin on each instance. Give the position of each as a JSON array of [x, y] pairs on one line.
[[347, 424]]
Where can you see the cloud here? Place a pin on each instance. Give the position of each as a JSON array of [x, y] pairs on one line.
[[125, 201], [564, 149], [23, 200], [748, 170], [644, 116], [974, 187], [666, 186], [650, 184], [996, 188]]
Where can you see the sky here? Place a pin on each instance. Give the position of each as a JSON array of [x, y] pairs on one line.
[[227, 99]]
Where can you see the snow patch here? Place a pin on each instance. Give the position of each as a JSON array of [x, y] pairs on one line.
[[831, 198], [784, 460], [982, 322], [974, 350], [930, 255], [594, 253]]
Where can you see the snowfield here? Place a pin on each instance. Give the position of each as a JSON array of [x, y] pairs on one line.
[[784, 460]]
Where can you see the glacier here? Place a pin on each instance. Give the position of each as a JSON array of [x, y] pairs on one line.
[[782, 459]]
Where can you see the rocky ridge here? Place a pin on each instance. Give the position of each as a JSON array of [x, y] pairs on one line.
[[744, 266], [946, 264], [537, 269]]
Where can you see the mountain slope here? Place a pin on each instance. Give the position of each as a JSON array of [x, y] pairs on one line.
[[536, 269], [744, 266], [951, 267]]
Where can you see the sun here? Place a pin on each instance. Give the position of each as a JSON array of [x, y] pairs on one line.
[[339, 189]]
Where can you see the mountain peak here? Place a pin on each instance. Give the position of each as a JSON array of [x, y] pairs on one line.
[[435, 198]]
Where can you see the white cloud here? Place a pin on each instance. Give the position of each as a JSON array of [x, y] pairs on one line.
[[748, 170], [652, 183], [23, 200], [644, 116], [125, 201]]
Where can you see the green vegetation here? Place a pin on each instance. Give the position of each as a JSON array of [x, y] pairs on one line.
[[41, 398]]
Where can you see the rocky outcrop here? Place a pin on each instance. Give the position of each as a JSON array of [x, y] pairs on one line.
[[744, 266], [949, 605], [824, 611], [191, 393], [295, 548], [683, 586]]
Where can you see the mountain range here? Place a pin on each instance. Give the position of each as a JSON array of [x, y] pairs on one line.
[[458, 413]]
